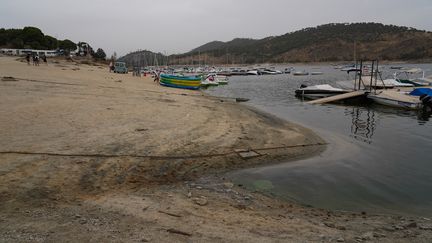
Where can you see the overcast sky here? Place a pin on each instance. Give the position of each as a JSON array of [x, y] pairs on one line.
[[176, 26]]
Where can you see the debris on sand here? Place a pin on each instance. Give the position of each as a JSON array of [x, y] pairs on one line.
[[8, 78]]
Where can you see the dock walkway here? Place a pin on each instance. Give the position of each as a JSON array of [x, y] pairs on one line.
[[338, 97]]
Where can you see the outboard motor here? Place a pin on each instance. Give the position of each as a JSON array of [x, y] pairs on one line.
[[303, 86], [426, 102]]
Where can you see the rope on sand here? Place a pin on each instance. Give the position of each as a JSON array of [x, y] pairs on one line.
[[236, 99], [156, 157]]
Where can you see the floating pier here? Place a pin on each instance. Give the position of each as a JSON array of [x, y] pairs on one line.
[[338, 97]]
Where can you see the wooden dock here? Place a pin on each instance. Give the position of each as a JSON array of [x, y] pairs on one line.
[[338, 97]]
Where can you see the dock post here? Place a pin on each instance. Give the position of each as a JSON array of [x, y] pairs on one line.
[[360, 75]]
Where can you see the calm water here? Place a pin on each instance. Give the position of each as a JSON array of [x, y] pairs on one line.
[[379, 159]]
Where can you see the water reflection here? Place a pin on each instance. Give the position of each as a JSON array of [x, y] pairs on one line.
[[363, 123], [423, 116], [378, 157]]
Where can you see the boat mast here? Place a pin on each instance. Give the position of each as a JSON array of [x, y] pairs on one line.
[[355, 51]]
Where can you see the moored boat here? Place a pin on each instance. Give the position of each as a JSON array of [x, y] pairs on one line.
[[253, 72], [318, 91], [288, 70], [407, 80], [300, 73], [182, 82], [395, 83], [317, 73], [396, 99]]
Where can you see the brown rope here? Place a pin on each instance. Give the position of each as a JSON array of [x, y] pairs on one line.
[[155, 157]]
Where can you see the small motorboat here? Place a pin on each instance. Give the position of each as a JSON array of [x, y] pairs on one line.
[[300, 73], [253, 72], [288, 70], [396, 67], [407, 80], [414, 82], [318, 91], [317, 73], [395, 83], [267, 71], [212, 80], [394, 98], [348, 67]]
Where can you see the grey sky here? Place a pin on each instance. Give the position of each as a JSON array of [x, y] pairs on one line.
[[176, 26]]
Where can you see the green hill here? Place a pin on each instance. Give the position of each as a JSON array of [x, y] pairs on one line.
[[330, 42], [143, 58], [32, 38]]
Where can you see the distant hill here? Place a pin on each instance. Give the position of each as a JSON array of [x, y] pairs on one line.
[[330, 42], [144, 58], [214, 45]]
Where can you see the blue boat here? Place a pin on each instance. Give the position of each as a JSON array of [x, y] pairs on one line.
[[181, 82]]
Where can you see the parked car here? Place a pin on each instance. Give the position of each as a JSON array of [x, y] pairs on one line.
[[120, 67]]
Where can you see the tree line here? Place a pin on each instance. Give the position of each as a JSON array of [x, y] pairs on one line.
[[33, 38]]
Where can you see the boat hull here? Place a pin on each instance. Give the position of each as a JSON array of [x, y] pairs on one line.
[[181, 82], [394, 103], [300, 74], [416, 83], [317, 94]]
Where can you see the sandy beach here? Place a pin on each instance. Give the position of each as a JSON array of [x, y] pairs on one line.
[[88, 155]]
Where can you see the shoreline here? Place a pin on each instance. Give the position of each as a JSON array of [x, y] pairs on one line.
[[161, 195]]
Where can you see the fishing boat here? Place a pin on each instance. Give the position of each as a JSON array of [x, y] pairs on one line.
[[318, 91], [182, 82]]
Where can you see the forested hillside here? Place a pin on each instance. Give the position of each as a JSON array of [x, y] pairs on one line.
[[330, 42]]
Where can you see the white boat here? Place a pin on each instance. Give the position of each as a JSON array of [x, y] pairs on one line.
[[423, 80], [317, 73], [214, 79], [396, 99], [395, 83], [269, 71], [379, 84], [253, 72], [348, 67], [318, 91], [288, 70], [415, 81], [221, 81], [210, 80], [300, 73]]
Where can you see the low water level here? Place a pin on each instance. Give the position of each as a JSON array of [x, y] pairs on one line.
[[378, 159]]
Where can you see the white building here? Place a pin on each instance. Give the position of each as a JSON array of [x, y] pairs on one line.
[[23, 52]]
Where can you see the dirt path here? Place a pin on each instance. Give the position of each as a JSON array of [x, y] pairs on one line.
[[87, 155]]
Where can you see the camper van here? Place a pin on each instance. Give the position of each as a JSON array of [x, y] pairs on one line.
[[120, 67]]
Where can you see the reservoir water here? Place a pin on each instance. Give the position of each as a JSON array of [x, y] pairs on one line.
[[378, 160]]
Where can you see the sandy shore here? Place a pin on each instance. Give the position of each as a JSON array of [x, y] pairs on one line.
[[88, 155]]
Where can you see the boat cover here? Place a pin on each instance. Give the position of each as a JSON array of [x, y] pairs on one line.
[[421, 91]]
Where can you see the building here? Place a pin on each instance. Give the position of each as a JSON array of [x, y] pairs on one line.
[[23, 52]]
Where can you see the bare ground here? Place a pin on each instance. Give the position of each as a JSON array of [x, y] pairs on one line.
[[87, 155]]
